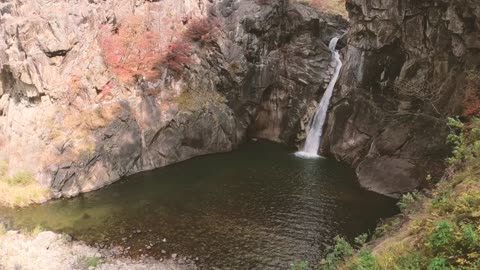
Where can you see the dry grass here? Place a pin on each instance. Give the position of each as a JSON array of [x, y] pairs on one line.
[[328, 6], [194, 100], [3, 229], [19, 189]]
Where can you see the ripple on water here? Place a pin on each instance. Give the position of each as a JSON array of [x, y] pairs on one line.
[[259, 207]]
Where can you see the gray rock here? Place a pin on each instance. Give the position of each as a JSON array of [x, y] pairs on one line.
[[397, 87]]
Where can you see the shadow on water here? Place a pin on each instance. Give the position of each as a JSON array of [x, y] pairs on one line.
[[259, 207]]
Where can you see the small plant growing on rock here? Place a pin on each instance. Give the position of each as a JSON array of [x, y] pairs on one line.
[[36, 230], [203, 30], [21, 178], [337, 254], [442, 236], [177, 56], [464, 139], [438, 264], [299, 265], [91, 261], [407, 202]]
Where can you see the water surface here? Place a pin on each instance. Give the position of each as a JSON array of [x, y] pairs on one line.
[[259, 207]]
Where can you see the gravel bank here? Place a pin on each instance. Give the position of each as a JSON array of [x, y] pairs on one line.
[[49, 250]]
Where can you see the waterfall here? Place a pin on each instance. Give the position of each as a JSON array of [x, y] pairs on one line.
[[314, 135]]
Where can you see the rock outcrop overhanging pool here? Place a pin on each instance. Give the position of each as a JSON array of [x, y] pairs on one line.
[[259, 207]]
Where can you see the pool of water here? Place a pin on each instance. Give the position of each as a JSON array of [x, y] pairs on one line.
[[259, 207]]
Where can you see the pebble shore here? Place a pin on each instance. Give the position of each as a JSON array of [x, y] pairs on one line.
[[48, 250]]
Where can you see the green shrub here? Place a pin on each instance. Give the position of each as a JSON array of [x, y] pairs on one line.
[[365, 261], [442, 237], [438, 264], [409, 261], [406, 203], [385, 226], [442, 202], [464, 139], [361, 239], [299, 265], [337, 254], [467, 204], [469, 239]]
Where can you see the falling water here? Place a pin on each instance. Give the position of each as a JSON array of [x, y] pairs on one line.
[[314, 136]]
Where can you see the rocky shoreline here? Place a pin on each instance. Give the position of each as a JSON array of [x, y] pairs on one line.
[[49, 250]]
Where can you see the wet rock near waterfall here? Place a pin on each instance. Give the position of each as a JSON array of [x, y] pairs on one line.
[[398, 85]]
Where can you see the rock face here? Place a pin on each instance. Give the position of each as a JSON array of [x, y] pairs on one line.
[[407, 66], [69, 115]]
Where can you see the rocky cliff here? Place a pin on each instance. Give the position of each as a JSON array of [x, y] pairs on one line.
[[91, 91], [408, 65]]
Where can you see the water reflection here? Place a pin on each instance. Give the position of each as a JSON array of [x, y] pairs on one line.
[[259, 207]]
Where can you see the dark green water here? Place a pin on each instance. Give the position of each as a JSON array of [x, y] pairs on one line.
[[259, 207]]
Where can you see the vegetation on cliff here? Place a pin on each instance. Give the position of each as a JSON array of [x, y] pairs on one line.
[[437, 230], [19, 189], [133, 50], [329, 6]]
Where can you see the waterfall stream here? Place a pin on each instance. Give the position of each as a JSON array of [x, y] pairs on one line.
[[314, 135]]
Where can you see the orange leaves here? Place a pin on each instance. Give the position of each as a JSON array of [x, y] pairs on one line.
[[132, 51]]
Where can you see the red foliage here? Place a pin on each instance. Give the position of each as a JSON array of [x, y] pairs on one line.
[[106, 90], [471, 101], [133, 51], [201, 29], [177, 56], [471, 104]]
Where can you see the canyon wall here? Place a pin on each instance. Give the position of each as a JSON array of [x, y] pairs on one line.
[[408, 66], [92, 91]]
